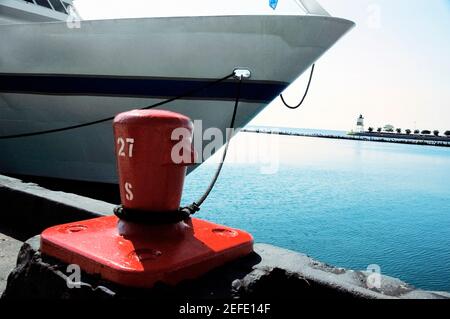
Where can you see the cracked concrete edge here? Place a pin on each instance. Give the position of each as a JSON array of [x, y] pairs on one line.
[[9, 248], [294, 266], [349, 281], [51, 203], [66, 199]]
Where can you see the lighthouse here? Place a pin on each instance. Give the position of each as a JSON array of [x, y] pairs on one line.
[[360, 124]]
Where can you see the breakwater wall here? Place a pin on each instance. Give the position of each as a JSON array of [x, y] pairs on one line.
[[368, 137]]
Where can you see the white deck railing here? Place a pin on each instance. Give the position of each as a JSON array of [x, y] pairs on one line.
[[312, 7]]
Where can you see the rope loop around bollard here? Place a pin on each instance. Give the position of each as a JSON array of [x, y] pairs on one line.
[[150, 218]]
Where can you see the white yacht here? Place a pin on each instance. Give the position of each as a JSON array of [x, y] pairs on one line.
[[55, 72]]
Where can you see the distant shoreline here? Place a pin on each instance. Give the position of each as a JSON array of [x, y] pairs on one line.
[[416, 137], [367, 137]]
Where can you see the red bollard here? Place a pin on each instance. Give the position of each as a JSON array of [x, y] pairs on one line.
[[149, 179], [128, 252]]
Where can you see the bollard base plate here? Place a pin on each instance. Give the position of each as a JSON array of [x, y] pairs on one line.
[[143, 258]]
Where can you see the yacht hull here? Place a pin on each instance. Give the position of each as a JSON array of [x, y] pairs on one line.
[[52, 76]]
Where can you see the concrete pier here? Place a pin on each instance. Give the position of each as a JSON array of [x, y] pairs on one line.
[[270, 272]]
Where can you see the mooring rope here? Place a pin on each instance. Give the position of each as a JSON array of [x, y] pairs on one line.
[[77, 126], [186, 212], [183, 213], [304, 96], [195, 206]]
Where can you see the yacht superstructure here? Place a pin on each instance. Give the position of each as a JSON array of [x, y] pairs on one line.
[[23, 11]]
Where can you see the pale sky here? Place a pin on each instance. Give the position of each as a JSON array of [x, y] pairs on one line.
[[394, 67]]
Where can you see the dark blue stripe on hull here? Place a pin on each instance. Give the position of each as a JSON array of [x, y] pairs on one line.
[[252, 91]]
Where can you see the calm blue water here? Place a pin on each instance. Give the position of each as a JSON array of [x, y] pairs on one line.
[[346, 203]]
